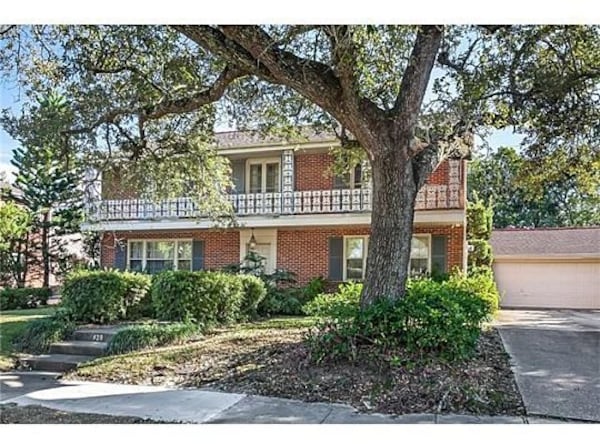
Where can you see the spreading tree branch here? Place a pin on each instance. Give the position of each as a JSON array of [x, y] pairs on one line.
[[175, 106], [416, 77], [7, 29], [343, 51]]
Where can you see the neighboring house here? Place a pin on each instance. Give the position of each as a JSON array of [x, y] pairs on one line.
[[548, 267], [35, 269], [72, 245], [300, 217]]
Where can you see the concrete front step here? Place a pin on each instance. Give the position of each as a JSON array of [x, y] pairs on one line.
[[56, 362], [89, 348], [95, 334]]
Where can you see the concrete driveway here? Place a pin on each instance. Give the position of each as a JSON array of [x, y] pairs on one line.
[[15, 384], [556, 360]]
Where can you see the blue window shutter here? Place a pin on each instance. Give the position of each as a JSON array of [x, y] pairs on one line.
[[121, 256], [336, 253], [439, 254], [197, 255]]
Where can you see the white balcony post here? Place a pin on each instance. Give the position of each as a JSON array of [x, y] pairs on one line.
[[454, 183], [287, 181]]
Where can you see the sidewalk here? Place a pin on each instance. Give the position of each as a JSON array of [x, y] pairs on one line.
[[202, 406]]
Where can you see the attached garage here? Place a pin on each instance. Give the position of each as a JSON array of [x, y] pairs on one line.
[[548, 268]]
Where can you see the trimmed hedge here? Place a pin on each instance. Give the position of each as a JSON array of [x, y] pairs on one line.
[[254, 293], [22, 298], [100, 296], [482, 286], [204, 297], [139, 337]]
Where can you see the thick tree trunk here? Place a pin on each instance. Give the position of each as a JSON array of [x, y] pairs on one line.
[[45, 251], [394, 194]]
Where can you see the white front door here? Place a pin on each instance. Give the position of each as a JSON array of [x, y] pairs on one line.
[[266, 246], [264, 250]]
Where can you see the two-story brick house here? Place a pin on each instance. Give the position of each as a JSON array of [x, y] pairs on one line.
[[290, 210]]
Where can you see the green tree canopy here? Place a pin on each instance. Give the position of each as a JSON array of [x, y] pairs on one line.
[[147, 88], [49, 176], [15, 228], [549, 191]]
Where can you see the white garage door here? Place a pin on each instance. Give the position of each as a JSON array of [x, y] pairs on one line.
[[548, 284]]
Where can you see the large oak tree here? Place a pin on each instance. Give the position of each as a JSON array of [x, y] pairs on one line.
[[409, 96]]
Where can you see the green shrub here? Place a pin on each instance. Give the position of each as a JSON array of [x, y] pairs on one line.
[[481, 254], [289, 300], [441, 319], [22, 298], [482, 285], [40, 333], [281, 301], [314, 288], [204, 297], [104, 296], [229, 291], [344, 303], [143, 309], [254, 292], [139, 337]]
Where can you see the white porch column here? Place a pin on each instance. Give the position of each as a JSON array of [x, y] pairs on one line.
[[287, 181]]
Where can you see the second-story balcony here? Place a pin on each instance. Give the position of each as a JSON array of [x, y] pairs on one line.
[[430, 197]]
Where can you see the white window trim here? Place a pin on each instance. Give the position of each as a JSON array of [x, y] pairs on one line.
[[428, 237], [144, 258], [366, 252], [352, 180], [263, 161]]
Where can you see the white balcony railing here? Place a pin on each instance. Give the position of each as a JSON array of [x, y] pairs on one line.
[[297, 202]]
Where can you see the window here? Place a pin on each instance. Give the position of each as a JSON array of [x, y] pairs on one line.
[[184, 255], [355, 256], [157, 255], [419, 255], [263, 175], [136, 256], [352, 180]]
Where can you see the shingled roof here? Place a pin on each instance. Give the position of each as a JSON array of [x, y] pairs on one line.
[[546, 242], [232, 139]]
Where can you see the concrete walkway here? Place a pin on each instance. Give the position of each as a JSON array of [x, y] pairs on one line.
[[201, 406], [556, 360]]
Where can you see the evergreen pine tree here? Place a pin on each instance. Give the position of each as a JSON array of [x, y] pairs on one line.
[[48, 178]]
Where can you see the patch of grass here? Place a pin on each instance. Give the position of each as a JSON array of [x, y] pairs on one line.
[[280, 322], [12, 323]]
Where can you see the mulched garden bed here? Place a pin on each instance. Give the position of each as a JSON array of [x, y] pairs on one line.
[[275, 362]]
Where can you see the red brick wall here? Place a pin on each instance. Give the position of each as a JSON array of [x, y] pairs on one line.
[[455, 242], [440, 175], [305, 250], [311, 172], [301, 250], [220, 247]]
